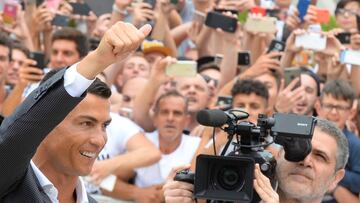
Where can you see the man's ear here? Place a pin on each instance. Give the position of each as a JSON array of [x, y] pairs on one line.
[[353, 110], [317, 105], [339, 175]]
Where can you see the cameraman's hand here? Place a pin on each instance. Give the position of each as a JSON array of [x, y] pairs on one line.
[[263, 187], [177, 191]]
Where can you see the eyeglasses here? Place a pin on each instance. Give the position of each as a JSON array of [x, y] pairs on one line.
[[347, 12], [338, 108], [208, 79]]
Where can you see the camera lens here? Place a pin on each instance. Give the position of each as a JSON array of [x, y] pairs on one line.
[[229, 178]]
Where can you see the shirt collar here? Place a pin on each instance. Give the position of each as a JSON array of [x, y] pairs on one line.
[[81, 195]]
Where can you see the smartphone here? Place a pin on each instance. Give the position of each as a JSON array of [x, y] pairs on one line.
[[258, 10], [243, 58], [182, 69], [60, 20], [312, 41], [224, 101], [9, 13], [264, 24], [151, 2], [344, 37], [39, 57], [290, 74], [302, 7], [350, 57], [199, 17], [322, 16], [358, 22], [39, 2], [276, 45], [80, 9], [175, 2], [100, 7], [218, 20]]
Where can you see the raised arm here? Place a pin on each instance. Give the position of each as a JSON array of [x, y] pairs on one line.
[[23, 131]]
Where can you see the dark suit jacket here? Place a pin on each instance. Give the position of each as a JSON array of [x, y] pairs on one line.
[[22, 133]]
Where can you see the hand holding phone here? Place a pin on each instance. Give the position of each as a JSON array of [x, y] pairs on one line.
[[80, 9], [263, 24], [291, 74], [244, 58], [302, 7], [39, 58], [182, 69], [312, 41], [218, 20], [344, 37], [9, 13], [60, 20], [350, 57]]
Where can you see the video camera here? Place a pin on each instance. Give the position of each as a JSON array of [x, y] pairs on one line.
[[230, 177]]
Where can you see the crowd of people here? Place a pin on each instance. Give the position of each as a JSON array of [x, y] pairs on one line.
[[91, 109]]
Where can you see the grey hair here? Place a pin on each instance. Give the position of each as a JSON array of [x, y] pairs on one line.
[[342, 152]]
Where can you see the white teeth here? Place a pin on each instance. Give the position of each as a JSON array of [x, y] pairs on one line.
[[88, 154]]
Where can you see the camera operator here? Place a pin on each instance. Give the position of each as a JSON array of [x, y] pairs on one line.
[[335, 104], [303, 181]]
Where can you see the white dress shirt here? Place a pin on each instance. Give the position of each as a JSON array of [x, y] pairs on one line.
[[75, 84]]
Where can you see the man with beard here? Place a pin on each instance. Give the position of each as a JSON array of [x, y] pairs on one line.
[[335, 104], [311, 83], [300, 100], [305, 181]]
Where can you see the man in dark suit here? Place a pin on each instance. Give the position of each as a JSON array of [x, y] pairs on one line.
[[64, 149]]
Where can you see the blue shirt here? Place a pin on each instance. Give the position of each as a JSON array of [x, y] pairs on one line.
[[351, 181]]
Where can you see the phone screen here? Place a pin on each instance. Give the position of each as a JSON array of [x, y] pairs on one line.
[[9, 14], [290, 74], [182, 69]]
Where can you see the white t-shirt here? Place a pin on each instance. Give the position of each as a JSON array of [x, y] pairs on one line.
[[119, 132], [157, 173]]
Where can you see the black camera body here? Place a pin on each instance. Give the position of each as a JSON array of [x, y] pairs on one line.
[[230, 177]]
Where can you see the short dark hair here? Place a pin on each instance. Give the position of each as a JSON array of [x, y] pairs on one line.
[[248, 87], [341, 4], [72, 34], [19, 46], [340, 89], [6, 42], [315, 77], [97, 88], [171, 93]]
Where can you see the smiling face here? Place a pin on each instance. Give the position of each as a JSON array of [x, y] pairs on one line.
[[73, 146], [309, 179]]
